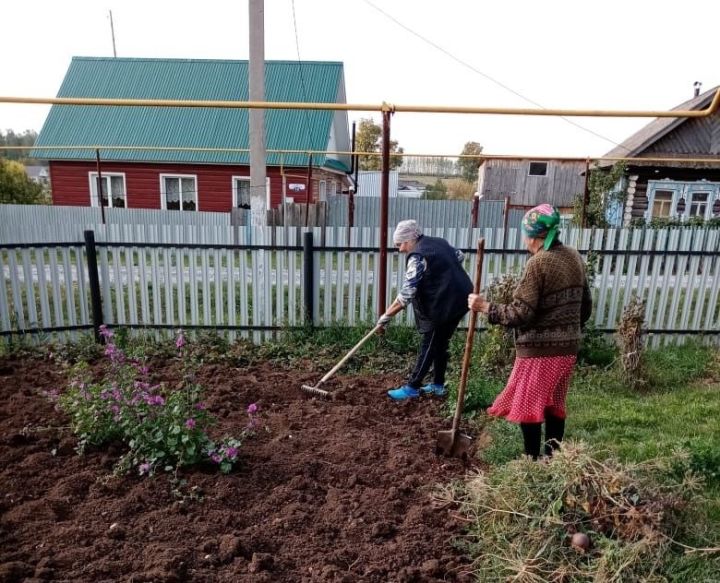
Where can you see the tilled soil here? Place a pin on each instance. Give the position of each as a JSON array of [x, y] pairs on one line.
[[329, 490]]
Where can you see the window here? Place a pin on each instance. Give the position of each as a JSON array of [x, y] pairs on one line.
[[662, 204], [538, 169], [699, 204], [178, 192], [112, 182], [322, 190], [333, 188], [241, 192]]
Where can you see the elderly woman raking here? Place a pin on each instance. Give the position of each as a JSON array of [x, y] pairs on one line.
[[437, 287], [550, 305]]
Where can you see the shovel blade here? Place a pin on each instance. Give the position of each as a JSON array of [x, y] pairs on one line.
[[453, 444]]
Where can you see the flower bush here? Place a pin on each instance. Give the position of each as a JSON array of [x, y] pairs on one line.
[[162, 428]]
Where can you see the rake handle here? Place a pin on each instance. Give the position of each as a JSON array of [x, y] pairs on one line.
[[469, 341], [352, 351]]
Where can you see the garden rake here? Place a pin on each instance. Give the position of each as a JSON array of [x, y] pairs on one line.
[[452, 443], [315, 389]]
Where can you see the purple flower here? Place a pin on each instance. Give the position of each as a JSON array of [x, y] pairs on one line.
[[217, 458], [144, 468], [115, 409], [190, 423], [105, 332], [252, 409], [180, 342], [200, 406], [231, 452], [154, 400]]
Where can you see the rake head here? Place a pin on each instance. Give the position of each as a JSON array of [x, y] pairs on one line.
[[316, 391]]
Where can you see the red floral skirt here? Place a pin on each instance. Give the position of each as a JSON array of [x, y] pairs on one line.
[[535, 384]]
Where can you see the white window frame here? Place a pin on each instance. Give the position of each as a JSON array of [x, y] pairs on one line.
[[163, 198], [322, 190], [246, 178], [682, 190], [95, 195]]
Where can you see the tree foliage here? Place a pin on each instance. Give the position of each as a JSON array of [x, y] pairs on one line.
[[16, 187], [469, 166], [10, 138], [602, 192], [437, 191], [459, 189], [369, 139]]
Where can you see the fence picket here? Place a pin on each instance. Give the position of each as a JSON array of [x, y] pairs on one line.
[[42, 286], [4, 303]]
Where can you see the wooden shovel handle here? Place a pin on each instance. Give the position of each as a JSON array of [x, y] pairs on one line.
[[469, 341]]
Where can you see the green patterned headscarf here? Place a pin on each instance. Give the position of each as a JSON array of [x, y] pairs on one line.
[[542, 222]]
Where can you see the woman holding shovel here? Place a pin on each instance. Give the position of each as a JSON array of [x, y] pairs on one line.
[[437, 286], [550, 305]]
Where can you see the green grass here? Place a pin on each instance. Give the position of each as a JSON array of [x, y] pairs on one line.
[[679, 409]]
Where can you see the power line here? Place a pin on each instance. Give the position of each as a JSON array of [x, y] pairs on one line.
[[302, 79], [482, 74]]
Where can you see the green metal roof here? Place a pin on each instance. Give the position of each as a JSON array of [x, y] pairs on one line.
[[310, 81]]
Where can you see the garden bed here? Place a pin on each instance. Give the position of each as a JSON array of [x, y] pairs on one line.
[[331, 490]]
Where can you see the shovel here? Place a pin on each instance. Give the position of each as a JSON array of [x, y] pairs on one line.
[[315, 389], [452, 443]]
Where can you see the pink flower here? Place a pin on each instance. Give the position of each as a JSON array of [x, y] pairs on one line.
[[231, 452], [190, 423], [144, 468], [252, 409], [105, 332], [217, 458], [200, 406], [180, 342]]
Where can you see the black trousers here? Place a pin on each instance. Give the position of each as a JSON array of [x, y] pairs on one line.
[[554, 432], [433, 352]]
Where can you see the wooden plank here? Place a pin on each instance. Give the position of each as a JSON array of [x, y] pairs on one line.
[[683, 284], [168, 287], [653, 287], [711, 323], [317, 238], [327, 279], [42, 286], [29, 289], [279, 256], [15, 289], [692, 293], [352, 291], [56, 287], [632, 266], [670, 260], [205, 286], [711, 242], [232, 302], [341, 241], [293, 276], [601, 320], [622, 286], [4, 303], [117, 285], [108, 315], [364, 270], [648, 240], [130, 267], [81, 261]]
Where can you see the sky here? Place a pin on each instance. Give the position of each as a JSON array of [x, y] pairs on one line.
[[617, 54]]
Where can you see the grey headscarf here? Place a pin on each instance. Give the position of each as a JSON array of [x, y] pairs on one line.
[[406, 231]]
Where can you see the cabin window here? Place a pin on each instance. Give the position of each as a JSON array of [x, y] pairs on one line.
[[662, 203], [112, 183], [699, 204], [179, 192], [538, 169], [241, 192]]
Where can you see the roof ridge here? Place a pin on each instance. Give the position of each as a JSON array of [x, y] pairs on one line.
[[196, 60]]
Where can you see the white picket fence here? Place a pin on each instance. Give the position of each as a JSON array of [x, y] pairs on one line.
[[191, 276]]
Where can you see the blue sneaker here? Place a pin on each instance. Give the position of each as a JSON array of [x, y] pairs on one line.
[[404, 392], [434, 389]]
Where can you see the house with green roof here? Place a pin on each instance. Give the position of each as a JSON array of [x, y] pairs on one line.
[[192, 159]]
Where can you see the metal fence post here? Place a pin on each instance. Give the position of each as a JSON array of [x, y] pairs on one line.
[[95, 298], [308, 283]]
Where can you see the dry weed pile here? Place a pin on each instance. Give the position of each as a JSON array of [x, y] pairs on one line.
[[524, 515], [630, 341]]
